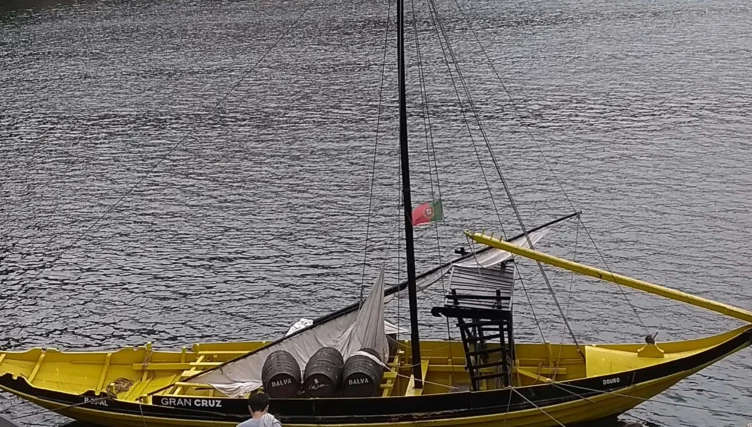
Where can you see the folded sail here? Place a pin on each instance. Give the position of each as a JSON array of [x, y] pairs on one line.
[[348, 334]]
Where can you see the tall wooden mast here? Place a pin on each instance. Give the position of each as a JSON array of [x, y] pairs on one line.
[[406, 200]]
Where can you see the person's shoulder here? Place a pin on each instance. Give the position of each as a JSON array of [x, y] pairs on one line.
[[249, 423], [270, 419]]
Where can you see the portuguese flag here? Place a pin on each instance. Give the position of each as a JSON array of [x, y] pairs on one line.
[[428, 212]]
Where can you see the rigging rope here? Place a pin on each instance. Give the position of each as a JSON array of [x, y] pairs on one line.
[[506, 413], [462, 110], [429, 148], [163, 158], [545, 159], [141, 409], [70, 121], [646, 399], [589, 400], [621, 288], [508, 192], [537, 407], [569, 296], [440, 32], [375, 151]]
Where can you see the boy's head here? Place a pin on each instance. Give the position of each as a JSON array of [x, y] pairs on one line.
[[258, 402]]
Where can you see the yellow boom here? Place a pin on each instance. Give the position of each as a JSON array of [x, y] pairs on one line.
[[585, 270]]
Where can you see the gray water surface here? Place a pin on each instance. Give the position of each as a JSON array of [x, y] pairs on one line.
[[259, 214]]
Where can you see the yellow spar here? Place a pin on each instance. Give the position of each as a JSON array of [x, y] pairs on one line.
[[725, 309]]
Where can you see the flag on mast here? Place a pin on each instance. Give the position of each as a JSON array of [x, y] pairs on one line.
[[427, 212]]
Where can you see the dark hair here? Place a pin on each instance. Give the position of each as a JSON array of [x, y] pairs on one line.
[[258, 402]]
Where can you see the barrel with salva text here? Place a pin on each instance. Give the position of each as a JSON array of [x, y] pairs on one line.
[[281, 375]]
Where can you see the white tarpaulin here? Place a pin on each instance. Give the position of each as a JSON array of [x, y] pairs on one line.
[[486, 259], [389, 327], [348, 334]]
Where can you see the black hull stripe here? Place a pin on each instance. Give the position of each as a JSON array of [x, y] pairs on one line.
[[392, 409]]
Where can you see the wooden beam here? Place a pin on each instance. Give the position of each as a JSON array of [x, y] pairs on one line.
[[411, 390], [173, 366], [36, 368], [724, 309], [102, 377]]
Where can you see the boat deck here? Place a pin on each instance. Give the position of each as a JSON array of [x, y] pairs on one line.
[[142, 371], [134, 373]]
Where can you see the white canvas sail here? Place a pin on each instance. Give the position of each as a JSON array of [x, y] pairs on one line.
[[493, 256], [348, 334]]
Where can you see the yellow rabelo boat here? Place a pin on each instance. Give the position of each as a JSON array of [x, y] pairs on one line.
[[534, 385], [353, 377]]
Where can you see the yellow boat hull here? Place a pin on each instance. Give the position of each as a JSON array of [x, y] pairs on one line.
[[552, 384]]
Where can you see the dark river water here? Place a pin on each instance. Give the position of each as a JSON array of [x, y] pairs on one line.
[[182, 171]]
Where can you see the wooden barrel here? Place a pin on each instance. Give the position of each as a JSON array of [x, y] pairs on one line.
[[362, 375], [281, 375], [323, 373]]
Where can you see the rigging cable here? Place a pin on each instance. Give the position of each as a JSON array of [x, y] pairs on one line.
[[169, 152], [141, 409], [538, 407], [545, 159], [429, 145], [508, 192], [464, 116], [70, 121], [375, 151], [569, 296], [506, 413], [589, 400], [652, 399], [477, 154]]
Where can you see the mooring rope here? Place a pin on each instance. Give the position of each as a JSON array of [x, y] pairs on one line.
[[141, 409]]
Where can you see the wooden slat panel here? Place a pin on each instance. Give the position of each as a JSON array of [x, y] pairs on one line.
[[483, 283], [185, 374], [139, 387], [173, 366], [36, 368], [100, 384]]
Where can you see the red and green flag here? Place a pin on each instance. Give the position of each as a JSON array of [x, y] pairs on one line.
[[427, 212]]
